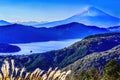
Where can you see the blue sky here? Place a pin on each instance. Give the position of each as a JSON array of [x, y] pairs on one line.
[[51, 10]]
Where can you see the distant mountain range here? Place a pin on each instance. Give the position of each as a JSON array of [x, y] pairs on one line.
[[97, 47], [114, 29], [16, 33], [89, 16], [31, 23], [2, 22]]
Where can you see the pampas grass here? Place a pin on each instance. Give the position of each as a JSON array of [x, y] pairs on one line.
[[37, 74]]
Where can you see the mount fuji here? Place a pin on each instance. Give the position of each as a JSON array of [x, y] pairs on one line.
[[89, 16], [2, 23]]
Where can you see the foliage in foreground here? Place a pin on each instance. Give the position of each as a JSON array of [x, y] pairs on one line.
[[111, 72], [10, 72]]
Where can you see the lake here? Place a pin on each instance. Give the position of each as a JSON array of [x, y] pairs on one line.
[[39, 47]]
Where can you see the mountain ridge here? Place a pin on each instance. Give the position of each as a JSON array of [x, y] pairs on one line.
[[85, 52], [114, 28], [90, 16], [27, 34], [96, 60], [3, 23]]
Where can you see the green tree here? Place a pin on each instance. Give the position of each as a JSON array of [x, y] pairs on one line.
[[94, 74], [84, 75], [112, 70]]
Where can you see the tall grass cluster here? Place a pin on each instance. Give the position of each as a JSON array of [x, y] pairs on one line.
[[10, 72]]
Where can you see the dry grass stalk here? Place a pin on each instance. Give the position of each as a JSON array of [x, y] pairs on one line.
[[37, 74]]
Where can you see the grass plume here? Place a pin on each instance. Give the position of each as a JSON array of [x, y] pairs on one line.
[[37, 74]]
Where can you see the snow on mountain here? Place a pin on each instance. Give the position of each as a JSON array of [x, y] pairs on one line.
[[89, 16]]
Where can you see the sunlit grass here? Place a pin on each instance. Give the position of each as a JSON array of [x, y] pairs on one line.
[[10, 72]]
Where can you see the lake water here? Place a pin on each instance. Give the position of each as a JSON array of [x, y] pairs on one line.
[[39, 47]]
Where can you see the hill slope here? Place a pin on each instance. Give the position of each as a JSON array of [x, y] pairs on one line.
[[16, 33], [97, 60], [64, 57]]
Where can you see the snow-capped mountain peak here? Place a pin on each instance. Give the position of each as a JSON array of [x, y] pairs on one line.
[[91, 11], [88, 16]]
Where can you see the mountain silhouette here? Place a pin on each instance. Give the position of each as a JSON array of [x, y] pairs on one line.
[[89, 16], [17, 33], [2, 22]]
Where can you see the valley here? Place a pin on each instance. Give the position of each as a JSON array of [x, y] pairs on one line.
[[62, 42]]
